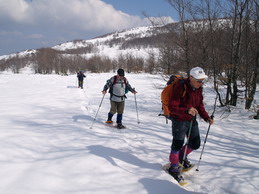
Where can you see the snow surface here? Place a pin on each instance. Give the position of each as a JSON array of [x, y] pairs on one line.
[[47, 146]]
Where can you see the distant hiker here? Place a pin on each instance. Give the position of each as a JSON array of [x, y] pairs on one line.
[[80, 76], [118, 86], [183, 111]]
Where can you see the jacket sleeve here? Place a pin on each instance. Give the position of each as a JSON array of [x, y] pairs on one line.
[[201, 109], [128, 86], [108, 84]]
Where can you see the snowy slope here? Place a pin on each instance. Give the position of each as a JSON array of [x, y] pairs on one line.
[[102, 45], [47, 145], [19, 54], [125, 34]]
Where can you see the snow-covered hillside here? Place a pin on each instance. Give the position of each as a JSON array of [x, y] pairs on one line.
[[26, 53], [125, 34], [110, 45], [103, 45], [47, 146]]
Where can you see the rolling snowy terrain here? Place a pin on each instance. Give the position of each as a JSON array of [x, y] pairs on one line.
[[47, 146], [107, 45]]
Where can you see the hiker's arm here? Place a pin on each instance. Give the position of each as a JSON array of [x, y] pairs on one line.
[[202, 112], [107, 85], [128, 86]]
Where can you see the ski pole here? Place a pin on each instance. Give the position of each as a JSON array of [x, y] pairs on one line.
[[136, 107], [212, 116], [188, 137], [77, 81], [203, 146], [97, 112]]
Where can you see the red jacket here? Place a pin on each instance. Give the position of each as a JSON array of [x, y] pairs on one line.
[[179, 105]]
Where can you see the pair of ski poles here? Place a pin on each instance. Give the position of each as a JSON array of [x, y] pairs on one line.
[[189, 133], [101, 105]]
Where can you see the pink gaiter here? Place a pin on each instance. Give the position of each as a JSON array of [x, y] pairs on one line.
[[174, 158], [189, 150]]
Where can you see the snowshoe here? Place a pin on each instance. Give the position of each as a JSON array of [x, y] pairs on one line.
[[109, 122], [186, 169], [120, 126], [175, 172], [186, 165]]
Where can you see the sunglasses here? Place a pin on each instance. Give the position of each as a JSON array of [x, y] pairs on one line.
[[201, 81]]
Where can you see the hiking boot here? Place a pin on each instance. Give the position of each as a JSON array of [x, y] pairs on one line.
[[109, 122], [175, 171], [120, 126], [186, 163]]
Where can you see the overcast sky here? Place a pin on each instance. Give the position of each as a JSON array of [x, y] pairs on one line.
[[32, 24]]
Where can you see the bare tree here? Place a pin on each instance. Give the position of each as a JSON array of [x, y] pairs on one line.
[[151, 63], [45, 59], [252, 53], [210, 39], [182, 7]]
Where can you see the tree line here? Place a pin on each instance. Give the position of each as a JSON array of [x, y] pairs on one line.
[[48, 61], [221, 38]]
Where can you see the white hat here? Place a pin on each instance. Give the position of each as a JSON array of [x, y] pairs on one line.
[[198, 73]]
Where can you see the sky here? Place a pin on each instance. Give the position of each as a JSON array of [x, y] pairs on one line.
[[32, 24]]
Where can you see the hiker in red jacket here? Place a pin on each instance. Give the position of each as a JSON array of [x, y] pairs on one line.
[[184, 110]]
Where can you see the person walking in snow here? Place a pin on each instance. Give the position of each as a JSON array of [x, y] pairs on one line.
[[184, 110], [80, 77], [118, 86]]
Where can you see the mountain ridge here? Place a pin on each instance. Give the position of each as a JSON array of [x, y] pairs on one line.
[[100, 45]]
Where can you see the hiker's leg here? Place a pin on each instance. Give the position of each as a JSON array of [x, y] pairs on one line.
[[120, 110]]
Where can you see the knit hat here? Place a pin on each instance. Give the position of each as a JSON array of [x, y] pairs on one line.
[[120, 72], [198, 73]]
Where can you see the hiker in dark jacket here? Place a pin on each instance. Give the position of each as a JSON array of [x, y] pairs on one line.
[[184, 110], [80, 76], [118, 86]]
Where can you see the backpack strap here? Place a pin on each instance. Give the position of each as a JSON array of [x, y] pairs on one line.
[[182, 81], [111, 88], [114, 81]]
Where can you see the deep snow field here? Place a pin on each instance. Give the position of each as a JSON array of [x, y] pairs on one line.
[[47, 146]]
